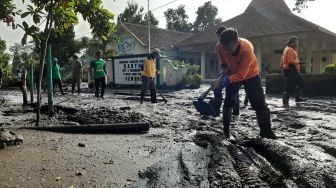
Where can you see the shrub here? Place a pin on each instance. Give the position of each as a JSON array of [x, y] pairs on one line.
[[330, 69], [194, 81], [192, 78]]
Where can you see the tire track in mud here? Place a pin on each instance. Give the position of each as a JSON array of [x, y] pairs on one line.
[[299, 170], [232, 165], [243, 168]]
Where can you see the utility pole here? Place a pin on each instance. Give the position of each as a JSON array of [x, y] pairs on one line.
[[149, 47]]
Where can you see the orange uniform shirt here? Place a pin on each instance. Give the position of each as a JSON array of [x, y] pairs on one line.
[[289, 56], [243, 65], [219, 52]]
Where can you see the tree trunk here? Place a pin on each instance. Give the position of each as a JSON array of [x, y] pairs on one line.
[[24, 86], [44, 46]]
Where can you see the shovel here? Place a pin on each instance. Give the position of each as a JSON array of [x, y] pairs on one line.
[[157, 89], [203, 107]]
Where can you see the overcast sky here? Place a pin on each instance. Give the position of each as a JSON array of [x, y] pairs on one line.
[[320, 12]]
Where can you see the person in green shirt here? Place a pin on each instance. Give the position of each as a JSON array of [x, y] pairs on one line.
[[98, 67], [77, 72], [56, 76]]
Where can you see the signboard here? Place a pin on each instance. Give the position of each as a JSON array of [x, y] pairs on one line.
[[127, 71]]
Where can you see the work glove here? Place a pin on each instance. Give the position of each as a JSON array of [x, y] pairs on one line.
[[222, 82]]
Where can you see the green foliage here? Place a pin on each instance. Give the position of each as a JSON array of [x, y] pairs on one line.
[[8, 11], [206, 16], [151, 18], [194, 81], [64, 45], [177, 19], [4, 57], [192, 78], [330, 69], [134, 13]]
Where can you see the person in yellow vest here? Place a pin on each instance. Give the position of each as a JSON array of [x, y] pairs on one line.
[[289, 63], [99, 74], [148, 76]]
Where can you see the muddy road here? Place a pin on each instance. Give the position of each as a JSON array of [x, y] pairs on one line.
[[181, 148]]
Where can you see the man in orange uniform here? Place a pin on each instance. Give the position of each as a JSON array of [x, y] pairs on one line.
[[224, 70], [239, 57], [148, 75], [289, 63]]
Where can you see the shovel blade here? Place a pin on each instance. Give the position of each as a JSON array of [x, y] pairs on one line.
[[205, 108]]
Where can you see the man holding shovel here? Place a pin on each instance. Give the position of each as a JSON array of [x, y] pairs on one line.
[[217, 102], [239, 57], [148, 76]]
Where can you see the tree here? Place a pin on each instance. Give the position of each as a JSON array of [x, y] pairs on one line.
[[60, 15], [23, 57], [133, 13], [8, 11], [300, 4], [64, 45], [206, 16], [4, 58], [153, 21], [16, 51], [177, 20]]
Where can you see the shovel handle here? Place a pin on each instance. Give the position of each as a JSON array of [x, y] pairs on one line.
[[157, 89], [202, 97]]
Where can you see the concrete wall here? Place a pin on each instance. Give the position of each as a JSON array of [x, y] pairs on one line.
[[315, 85], [169, 75]]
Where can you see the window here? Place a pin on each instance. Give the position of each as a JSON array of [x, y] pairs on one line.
[[191, 61], [278, 51]]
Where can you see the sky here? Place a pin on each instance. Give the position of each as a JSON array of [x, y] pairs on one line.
[[320, 12]]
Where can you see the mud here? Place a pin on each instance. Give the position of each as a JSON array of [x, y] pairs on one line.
[[181, 149], [9, 138]]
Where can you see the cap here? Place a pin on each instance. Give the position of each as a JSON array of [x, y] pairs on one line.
[[55, 59], [292, 39], [157, 51]]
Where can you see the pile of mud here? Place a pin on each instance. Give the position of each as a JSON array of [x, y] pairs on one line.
[[100, 115]]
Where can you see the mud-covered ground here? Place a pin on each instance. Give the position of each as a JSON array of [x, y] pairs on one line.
[[181, 149]]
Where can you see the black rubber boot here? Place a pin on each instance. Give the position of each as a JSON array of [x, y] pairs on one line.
[[298, 96], [264, 122], [97, 93], [153, 97], [285, 99], [236, 109], [102, 92], [217, 104], [227, 112], [246, 101], [142, 97]]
